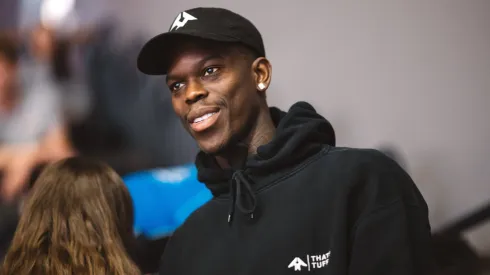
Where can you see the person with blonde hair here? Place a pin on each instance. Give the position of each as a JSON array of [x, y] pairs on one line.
[[78, 219]]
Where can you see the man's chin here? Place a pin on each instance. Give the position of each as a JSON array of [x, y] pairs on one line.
[[212, 148]]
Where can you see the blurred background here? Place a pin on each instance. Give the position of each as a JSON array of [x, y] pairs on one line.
[[409, 77]]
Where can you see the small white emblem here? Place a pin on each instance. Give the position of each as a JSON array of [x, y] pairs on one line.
[[181, 20], [297, 263]]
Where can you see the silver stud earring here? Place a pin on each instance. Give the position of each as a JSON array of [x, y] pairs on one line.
[[261, 86]]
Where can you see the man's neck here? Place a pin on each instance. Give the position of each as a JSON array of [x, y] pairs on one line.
[[262, 133]]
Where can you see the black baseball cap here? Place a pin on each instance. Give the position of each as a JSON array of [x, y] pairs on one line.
[[215, 24]]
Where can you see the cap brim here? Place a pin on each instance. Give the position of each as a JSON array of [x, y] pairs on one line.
[[156, 55]]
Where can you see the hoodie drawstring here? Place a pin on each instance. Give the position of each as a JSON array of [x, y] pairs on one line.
[[239, 181]]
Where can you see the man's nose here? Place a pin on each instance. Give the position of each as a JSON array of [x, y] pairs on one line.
[[195, 92]]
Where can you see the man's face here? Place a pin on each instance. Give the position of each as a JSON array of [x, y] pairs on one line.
[[214, 93]]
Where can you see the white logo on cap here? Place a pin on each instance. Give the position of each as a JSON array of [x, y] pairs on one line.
[[181, 20]]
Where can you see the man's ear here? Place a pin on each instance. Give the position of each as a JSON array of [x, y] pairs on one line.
[[262, 70]]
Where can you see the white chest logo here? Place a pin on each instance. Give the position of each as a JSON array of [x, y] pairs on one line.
[[297, 263], [181, 20], [312, 262]]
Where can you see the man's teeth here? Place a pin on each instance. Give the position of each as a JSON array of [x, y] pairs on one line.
[[204, 117]]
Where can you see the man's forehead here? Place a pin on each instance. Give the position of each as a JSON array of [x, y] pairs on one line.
[[189, 61]]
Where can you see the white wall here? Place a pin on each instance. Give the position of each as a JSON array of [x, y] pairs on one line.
[[412, 73]]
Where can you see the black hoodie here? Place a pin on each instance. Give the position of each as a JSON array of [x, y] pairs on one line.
[[303, 206]]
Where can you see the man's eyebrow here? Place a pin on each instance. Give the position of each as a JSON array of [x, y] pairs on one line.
[[199, 64]]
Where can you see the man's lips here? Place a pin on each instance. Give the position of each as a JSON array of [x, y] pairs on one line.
[[202, 118]]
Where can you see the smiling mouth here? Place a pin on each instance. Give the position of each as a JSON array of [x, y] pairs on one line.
[[203, 118], [204, 122]]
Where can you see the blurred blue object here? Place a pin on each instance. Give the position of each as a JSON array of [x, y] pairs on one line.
[[164, 198]]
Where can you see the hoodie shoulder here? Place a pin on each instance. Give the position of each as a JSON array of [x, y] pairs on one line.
[[361, 155], [364, 161], [371, 175]]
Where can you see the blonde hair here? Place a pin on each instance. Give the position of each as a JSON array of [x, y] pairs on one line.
[[77, 220]]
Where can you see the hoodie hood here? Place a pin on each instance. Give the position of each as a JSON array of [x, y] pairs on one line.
[[300, 133]]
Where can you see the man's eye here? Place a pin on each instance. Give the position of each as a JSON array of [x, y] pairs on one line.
[[176, 86], [210, 71]]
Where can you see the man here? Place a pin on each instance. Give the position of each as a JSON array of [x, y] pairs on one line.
[[286, 201], [31, 131]]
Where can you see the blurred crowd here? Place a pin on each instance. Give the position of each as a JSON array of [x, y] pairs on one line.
[[62, 95], [78, 94], [33, 122]]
